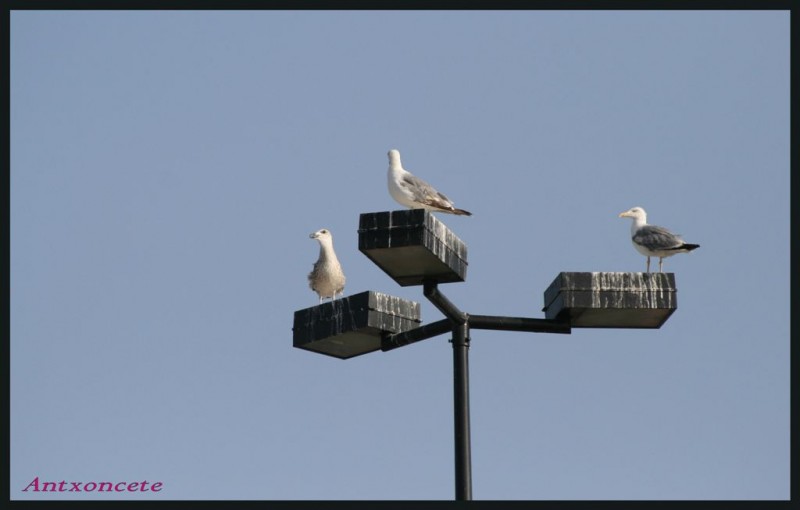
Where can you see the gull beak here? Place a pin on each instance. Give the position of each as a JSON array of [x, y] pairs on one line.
[[623, 214], [313, 236]]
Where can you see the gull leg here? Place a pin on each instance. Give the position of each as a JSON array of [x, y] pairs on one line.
[[648, 264], [660, 261]]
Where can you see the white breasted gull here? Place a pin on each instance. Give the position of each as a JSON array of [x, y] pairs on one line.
[[414, 193], [327, 278], [654, 241]]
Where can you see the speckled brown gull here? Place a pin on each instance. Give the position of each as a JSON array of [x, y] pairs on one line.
[[326, 278]]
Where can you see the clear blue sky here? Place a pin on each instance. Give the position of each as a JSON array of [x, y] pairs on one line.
[[168, 167]]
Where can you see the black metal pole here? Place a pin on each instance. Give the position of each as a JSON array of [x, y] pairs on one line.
[[431, 291], [518, 324], [460, 325], [463, 455], [389, 341]]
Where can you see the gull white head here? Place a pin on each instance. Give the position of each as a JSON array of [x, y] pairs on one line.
[[637, 213], [639, 218], [322, 235], [394, 158]]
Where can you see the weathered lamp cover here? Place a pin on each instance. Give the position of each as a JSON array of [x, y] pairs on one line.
[[611, 300], [411, 246], [351, 326]]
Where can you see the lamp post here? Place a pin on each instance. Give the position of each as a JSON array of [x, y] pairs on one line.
[[415, 248]]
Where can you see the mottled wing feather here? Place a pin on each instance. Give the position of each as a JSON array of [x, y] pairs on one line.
[[312, 276], [424, 193]]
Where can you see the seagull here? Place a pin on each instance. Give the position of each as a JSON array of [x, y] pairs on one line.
[[653, 241], [414, 193], [327, 278]]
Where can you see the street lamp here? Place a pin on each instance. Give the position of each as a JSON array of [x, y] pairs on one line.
[[414, 248]]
